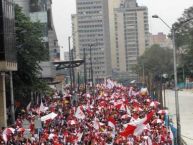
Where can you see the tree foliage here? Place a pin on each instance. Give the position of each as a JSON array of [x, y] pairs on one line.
[[184, 40], [156, 60], [30, 51]]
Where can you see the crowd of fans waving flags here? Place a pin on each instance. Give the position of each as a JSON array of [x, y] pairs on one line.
[[112, 115]]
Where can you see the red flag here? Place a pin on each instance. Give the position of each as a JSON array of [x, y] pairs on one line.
[[129, 130], [72, 138], [111, 122], [149, 117], [137, 127], [111, 119]]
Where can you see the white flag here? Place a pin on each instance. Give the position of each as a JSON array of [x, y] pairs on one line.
[[49, 116], [96, 124], [43, 108], [28, 106], [79, 136], [79, 113], [128, 111], [139, 130]]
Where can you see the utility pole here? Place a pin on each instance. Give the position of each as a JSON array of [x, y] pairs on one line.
[[78, 81], [3, 117], [12, 98], [164, 96], [85, 73], [70, 68], [175, 75], [73, 75], [176, 90], [161, 89], [91, 69], [143, 75]]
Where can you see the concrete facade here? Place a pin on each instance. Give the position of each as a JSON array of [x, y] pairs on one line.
[[3, 112], [92, 20], [54, 49], [66, 56], [131, 37], [75, 43], [112, 5], [120, 30], [41, 10], [160, 39], [8, 60]]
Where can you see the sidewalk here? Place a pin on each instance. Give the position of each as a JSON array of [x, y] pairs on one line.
[[186, 112]]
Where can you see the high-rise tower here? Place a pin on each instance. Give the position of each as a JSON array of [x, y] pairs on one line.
[[94, 36], [131, 37], [40, 10], [117, 32]]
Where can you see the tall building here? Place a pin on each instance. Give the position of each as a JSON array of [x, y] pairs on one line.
[[112, 5], [131, 37], [8, 62], [40, 10], [91, 23], [66, 56], [75, 41], [117, 32], [160, 39]]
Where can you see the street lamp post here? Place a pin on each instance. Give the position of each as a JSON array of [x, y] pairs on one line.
[[85, 73], [175, 81], [143, 75], [70, 69], [91, 69], [175, 75]]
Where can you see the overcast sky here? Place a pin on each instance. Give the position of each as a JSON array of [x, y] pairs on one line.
[[169, 10]]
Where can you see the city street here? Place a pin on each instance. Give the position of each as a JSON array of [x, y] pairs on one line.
[[186, 112], [88, 72]]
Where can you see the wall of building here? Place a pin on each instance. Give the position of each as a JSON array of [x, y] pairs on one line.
[[143, 30], [131, 31], [66, 56], [160, 39], [106, 41], [75, 43], [41, 10], [120, 42], [112, 5], [121, 30], [94, 33]]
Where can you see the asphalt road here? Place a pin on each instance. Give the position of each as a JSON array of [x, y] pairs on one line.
[[186, 112]]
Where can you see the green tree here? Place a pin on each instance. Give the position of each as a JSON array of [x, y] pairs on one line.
[[155, 62], [30, 51], [184, 42]]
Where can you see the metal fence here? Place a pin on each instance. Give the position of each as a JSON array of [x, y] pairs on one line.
[[185, 85]]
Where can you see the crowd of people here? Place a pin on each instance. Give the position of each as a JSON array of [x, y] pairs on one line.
[[108, 114]]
